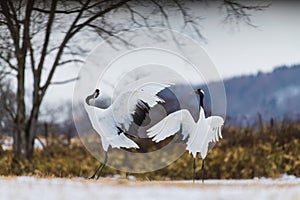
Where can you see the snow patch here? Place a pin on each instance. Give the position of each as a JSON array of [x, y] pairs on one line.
[[287, 187]]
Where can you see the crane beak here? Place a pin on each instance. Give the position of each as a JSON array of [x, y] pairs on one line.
[[194, 92]]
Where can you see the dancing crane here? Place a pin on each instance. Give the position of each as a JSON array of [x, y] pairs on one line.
[[112, 123], [200, 136]]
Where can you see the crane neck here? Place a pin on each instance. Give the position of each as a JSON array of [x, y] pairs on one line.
[[88, 98], [201, 102]]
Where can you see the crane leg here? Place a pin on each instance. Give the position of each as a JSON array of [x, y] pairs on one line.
[[194, 170], [99, 169], [202, 168]]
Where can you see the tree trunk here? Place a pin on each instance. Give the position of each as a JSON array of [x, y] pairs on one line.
[[31, 130], [19, 146], [31, 133], [24, 137]]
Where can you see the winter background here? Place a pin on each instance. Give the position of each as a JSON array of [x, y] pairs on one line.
[[260, 68]]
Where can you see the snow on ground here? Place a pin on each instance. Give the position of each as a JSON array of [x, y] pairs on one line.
[[7, 143], [288, 188]]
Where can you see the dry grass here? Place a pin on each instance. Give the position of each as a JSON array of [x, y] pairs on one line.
[[242, 154]]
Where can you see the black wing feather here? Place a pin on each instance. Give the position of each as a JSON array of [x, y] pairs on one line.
[[142, 110]]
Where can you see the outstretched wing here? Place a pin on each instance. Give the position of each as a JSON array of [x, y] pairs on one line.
[[103, 123], [141, 112], [172, 124], [215, 127], [215, 123], [141, 98]]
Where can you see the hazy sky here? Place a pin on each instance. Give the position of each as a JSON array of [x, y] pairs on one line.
[[244, 50], [237, 50]]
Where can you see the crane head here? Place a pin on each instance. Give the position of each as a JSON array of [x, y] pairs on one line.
[[96, 93], [199, 91]]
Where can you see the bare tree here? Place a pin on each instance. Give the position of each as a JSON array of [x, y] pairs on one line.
[[7, 107], [28, 48]]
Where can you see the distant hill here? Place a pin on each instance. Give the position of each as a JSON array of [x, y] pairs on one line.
[[272, 95], [275, 94]]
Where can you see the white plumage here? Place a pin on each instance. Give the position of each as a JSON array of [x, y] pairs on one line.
[[120, 114], [112, 123], [201, 135], [198, 135]]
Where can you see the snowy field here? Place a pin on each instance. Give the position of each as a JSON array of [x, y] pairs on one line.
[[287, 188]]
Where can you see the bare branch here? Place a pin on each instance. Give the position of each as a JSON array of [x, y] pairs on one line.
[[111, 34], [52, 49], [9, 111], [163, 12], [8, 61], [99, 14], [14, 30], [14, 14], [69, 11], [135, 13], [61, 48], [237, 11], [26, 29], [64, 82], [4, 73], [70, 61], [72, 31], [47, 35], [3, 22], [184, 13], [188, 19]]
